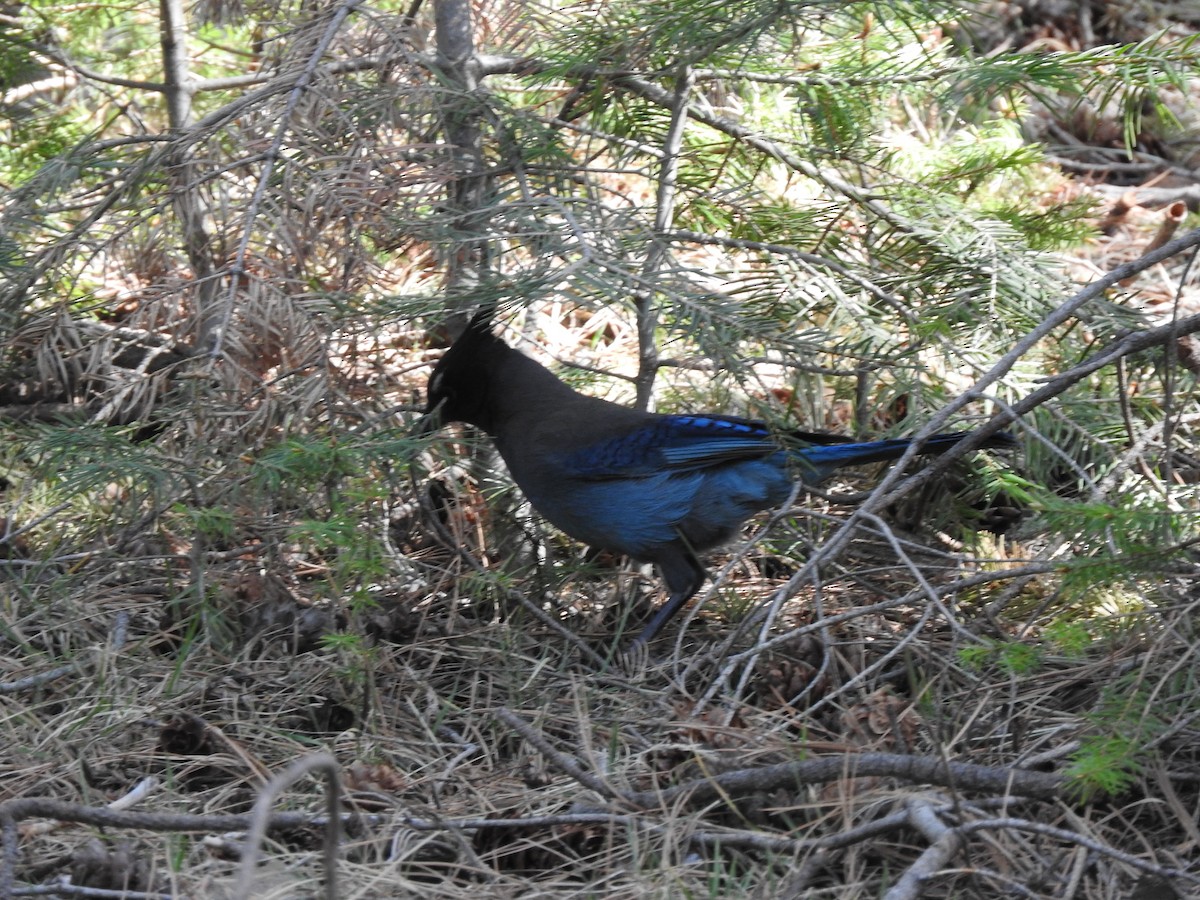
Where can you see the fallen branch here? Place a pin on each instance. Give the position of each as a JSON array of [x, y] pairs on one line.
[[926, 769], [564, 762], [921, 769], [945, 842], [261, 819]]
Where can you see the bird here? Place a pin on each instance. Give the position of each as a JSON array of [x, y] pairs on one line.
[[658, 488]]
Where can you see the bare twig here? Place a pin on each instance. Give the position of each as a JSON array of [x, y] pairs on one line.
[[945, 842], [215, 327], [36, 680], [260, 821], [733, 662], [64, 888], [134, 796], [116, 641], [1062, 834], [664, 212], [564, 762]]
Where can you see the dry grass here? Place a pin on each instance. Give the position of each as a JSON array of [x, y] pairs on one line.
[[914, 724], [480, 752], [183, 627]]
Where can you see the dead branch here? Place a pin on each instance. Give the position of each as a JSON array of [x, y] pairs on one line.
[[922, 769], [945, 842], [260, 820], [555, 756], [1154, 197], [926, 769]]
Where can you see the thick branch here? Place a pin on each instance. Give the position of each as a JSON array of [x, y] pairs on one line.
[[926, 769], [466, 259], [178, 88], [922, 769]]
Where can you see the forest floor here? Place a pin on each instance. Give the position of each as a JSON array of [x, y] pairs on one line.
[[916, 731]]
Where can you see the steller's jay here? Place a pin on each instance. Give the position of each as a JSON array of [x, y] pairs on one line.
[[657, 488]]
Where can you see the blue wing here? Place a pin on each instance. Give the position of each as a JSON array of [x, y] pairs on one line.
[[672, 444]]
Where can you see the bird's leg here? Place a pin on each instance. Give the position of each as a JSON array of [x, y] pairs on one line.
[[684, 575]]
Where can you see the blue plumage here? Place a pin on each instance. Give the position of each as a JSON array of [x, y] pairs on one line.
[[672, 442], [658, 488]]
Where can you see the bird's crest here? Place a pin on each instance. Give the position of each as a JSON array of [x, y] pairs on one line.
[[457, 385]]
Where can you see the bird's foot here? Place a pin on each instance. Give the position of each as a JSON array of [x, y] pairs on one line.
[[634, 660]]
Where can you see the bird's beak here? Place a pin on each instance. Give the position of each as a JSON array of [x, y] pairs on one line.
[[430, 422]]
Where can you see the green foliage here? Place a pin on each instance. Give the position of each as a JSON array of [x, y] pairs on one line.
[[18, 61], [1104, 765], [1132, 526], [74, 462], [657, 34], [339, 528], [1060, 637], [1131, 716], [1015, 658], [1127, 717], [36, 140], [1132, 76], [354, 553], [356, 656], [860, 228], [1110, 757], [211, 523], [303, 462], [1073, 638]]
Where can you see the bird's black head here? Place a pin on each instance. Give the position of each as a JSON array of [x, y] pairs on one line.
[[458, 388]]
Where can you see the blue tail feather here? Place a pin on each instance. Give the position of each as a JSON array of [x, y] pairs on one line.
[[820, 462]]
